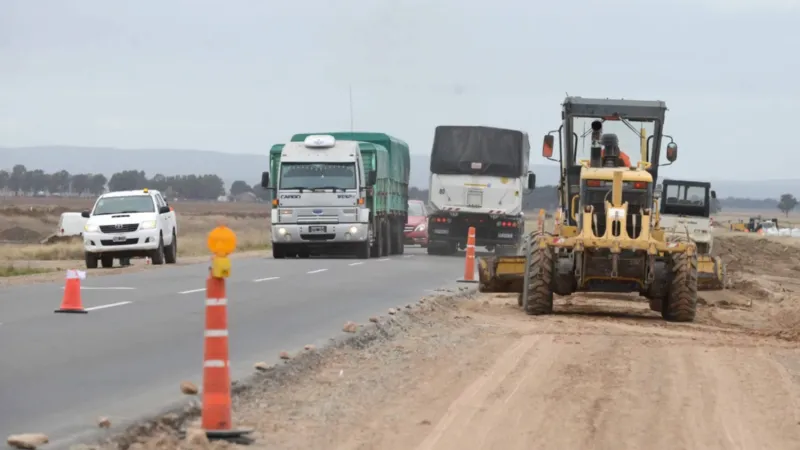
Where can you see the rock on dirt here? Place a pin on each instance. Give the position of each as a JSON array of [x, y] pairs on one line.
[[104, 422], [261, 366], [28, 441], [189, 388], [350, 327], [284, 355]]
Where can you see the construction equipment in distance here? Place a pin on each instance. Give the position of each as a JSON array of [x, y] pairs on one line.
[[685, 210], [754, 224], [609, 240]]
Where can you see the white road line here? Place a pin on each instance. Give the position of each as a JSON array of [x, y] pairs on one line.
[[259, 280], [110, 305], [383, 260], [317, 271], [408, 256], [356, 263], [192, 291]]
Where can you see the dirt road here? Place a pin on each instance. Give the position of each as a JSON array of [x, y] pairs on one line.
[[602, 373]]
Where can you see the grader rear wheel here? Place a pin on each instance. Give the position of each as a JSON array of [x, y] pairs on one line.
[[540, 276]]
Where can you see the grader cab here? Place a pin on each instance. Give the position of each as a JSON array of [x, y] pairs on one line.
[[604, 238]]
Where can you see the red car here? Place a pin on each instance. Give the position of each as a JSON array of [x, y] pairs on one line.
[[416, 230]]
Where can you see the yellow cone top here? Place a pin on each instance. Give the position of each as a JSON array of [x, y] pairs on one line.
[[222, 241]]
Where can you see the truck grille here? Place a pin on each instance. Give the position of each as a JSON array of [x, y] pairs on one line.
[[122, 228], [110, 243]]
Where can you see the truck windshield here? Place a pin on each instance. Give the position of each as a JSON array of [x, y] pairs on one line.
[[318, 176], [128, 204]]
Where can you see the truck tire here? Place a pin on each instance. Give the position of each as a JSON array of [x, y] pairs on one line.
[[387, 238], [377, 246], [171, 251], [540, 277], [681, 302], [91, 260], [363, 250], [107, 261], [401, 244], [278, 252], [157, 255]]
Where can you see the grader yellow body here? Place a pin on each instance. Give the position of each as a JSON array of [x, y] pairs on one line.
[[608, 240]]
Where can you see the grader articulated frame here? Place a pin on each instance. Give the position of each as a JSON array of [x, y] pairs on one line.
[[608, 240]]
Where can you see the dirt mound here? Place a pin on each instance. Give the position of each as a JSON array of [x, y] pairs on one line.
[[19, 234], [753, 255]]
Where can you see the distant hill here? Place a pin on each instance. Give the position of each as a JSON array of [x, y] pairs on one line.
[[248, 167]]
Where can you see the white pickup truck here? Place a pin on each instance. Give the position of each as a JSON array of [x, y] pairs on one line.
[[130, 224]]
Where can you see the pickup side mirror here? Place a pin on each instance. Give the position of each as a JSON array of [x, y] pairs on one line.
[[164, 210], [531, 181], [372, 177], [85, 214], [265, 180], [713, 194], [672, 152], [547, 146]]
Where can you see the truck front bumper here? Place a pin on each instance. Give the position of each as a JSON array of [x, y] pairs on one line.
[[340, 233], [135, 243]]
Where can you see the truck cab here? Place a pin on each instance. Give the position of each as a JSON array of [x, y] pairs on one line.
[[319, 204]]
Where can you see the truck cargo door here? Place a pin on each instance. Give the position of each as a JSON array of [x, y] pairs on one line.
[[474, 198]]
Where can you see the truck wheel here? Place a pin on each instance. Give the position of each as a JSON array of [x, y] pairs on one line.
[[278, 252], [681, 302], [658, 290], [107, 261], [377, 241], [401, 244], [363, 250], [157, 255], [91, 260], [540, 277], [171, 251], [387, 239]]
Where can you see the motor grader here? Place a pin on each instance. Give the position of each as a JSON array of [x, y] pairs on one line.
[[685, 210], [608, 240]]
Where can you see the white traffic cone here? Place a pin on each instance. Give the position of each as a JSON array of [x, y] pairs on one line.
[[147, 260]]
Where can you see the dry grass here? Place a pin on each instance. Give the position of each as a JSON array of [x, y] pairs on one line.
[[31, 219], [12, 270]]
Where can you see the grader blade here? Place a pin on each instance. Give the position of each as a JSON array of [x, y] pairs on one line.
[[501, 273], [711, 273]]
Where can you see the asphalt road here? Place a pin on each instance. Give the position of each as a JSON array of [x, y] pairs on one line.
[[143, 334]]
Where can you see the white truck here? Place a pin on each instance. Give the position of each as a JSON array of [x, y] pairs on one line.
[[128, 224], [319, 204], [478, 177]]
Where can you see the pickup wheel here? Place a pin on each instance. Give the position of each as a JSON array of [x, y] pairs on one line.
[[107, 261], [171, 251], [91, 260], [157, 255]]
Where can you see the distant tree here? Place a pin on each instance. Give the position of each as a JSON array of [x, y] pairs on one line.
[[787, 203], [37, 181], [240, 187], [716, 206], [59, 182], [127, 180], [97, 184], [4, 177], [16, 178], [80, 183]]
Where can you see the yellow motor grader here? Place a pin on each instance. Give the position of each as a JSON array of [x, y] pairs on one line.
[[685, 208], [608, 240]]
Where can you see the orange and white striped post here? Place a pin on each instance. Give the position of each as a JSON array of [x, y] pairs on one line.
[[216, 414], [469, 262]]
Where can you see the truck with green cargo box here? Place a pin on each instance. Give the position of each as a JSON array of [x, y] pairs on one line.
[[339, 192]]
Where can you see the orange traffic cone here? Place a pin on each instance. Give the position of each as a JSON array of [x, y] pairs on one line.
[[71, 303], [469, 263], [216, 414]]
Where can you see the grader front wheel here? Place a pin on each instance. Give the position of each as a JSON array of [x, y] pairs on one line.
[[681, 302], [540, 276]]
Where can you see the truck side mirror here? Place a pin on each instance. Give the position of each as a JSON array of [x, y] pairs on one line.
[[547, 146], [85, 214], [372, 178], [531, 181], [672, 152], [713, 194], [164, 210], [265, 180]]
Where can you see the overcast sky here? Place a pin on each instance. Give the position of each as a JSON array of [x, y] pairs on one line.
[[238, 75]]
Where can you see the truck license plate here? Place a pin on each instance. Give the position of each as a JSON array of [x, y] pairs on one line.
[[120, 238], [317, 229]]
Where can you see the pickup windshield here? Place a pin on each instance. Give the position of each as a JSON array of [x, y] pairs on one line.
[[128, 204], [317, 176]]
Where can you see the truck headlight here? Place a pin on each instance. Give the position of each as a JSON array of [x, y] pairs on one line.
[[149, 225], [420, 227], [286, 212], [353, 230], [282, 231], [91, 228]]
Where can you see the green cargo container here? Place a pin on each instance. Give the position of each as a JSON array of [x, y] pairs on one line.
[[388, 198]]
